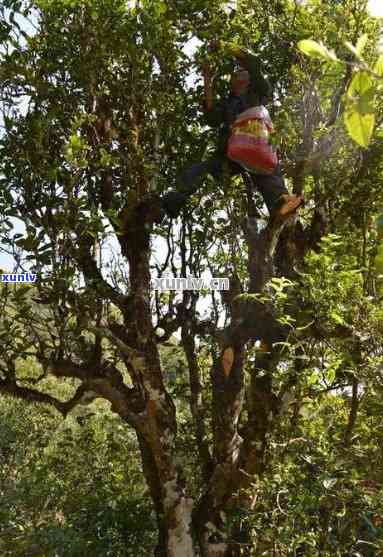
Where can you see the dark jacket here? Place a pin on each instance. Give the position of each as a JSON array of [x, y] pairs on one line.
[[224, 112]]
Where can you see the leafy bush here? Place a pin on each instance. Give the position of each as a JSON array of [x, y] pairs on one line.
[[70, 487]]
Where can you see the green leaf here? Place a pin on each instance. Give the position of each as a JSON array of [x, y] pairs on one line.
[[379, 264], [337, 318], [358, 49], [29, 243], [317, 50], [362, 84], [378, 67], [360, 126], [313, 378], [160, 8], [360, 45], [359, 115], [330, 376]]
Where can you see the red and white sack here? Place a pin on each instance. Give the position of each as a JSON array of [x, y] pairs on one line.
[[248, 143]]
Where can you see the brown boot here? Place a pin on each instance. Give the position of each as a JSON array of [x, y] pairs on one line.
[[287, 205]]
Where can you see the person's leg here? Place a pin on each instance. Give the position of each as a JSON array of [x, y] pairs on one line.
[[189, 182], [272, 187], [275, 194]]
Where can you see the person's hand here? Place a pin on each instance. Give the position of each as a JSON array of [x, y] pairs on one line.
[[215, 44], [233, 49]]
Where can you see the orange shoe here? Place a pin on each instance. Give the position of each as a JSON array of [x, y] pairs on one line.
[[287, 206]]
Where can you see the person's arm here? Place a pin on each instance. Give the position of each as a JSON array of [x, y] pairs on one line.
[[253, 65], [213, 111], [248, 61], [267, 119]]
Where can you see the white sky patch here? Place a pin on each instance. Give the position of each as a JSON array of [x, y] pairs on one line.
[[189, 49], [230, 6], [375, 7]]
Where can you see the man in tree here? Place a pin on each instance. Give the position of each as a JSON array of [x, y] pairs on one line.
[[249, 88]]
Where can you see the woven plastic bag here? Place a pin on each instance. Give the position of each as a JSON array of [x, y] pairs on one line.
[[249, 145]]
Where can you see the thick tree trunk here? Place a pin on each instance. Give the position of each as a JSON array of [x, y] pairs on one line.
[[179, 536], [151, 476], [172, 507], [156, 426]]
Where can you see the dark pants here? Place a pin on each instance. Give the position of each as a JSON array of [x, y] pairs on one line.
[[270, 186]]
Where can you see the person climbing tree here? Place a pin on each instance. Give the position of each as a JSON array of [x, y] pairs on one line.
[[248, 88]]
